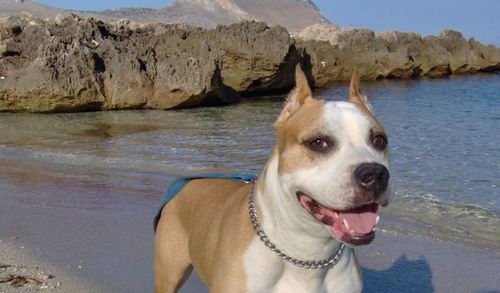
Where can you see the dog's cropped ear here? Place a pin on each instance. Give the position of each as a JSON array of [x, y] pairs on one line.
[[298, 96], [356, 96]]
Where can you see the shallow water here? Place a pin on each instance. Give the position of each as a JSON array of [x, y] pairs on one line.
[[444, 135]]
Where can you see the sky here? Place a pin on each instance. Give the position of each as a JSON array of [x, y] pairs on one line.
[[477, 18]]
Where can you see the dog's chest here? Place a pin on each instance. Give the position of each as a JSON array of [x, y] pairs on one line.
[[266, 272]]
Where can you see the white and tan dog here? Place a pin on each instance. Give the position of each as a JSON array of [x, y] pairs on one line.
[[319, 191]]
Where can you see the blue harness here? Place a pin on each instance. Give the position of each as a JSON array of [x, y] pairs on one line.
[[180, 182]]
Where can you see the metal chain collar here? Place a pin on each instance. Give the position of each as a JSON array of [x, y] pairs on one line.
[[320, 264]]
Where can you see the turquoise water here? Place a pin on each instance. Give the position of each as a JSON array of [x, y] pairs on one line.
[[444, 137]]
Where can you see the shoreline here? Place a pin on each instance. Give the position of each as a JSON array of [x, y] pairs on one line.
[[114, 254]]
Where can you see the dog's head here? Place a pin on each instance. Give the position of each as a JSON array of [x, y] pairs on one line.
[[333, 160]]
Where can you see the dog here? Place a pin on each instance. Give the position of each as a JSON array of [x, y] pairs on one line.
[[295, 228]]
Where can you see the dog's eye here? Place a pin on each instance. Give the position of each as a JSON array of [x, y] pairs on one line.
[[320, 144], [379, 141]]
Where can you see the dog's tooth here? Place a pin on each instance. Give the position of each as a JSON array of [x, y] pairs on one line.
[[346, 224], [376, 221], [336, 215]]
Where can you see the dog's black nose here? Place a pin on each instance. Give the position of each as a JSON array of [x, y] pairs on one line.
[[372, 177]]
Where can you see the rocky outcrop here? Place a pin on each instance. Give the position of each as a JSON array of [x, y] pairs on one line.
[[75, 64], [333, 52], [72, 64]]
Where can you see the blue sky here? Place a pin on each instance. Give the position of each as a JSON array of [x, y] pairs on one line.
[[478, 18]]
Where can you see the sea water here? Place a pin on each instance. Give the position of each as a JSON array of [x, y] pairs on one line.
[[444, 137]]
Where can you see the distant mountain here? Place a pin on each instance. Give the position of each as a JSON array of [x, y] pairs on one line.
[[10, 7], [292, 14]]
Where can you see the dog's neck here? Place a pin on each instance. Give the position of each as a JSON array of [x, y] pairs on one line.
[[286, 223]]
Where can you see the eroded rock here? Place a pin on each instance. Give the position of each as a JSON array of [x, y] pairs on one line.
[[334, 53], [72, 64]]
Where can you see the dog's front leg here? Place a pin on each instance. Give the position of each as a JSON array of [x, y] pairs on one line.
[[172, 262]]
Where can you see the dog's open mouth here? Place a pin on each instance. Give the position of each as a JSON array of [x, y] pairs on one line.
[[355, 226]]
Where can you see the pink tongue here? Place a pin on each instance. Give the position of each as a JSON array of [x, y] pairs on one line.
[[361, 220]]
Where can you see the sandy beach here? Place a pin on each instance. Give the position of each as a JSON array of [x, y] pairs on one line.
[[111, 251], [22, 271]]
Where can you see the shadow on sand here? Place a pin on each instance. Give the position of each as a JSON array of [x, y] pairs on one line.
[[403, 276]]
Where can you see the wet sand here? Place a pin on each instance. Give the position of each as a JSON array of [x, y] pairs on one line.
[[110, 250]]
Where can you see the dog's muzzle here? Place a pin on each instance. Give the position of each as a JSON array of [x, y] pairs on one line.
[[372, 177]]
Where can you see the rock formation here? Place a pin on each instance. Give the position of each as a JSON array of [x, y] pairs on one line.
[[75, 64], [72, 64], [333, 52]]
